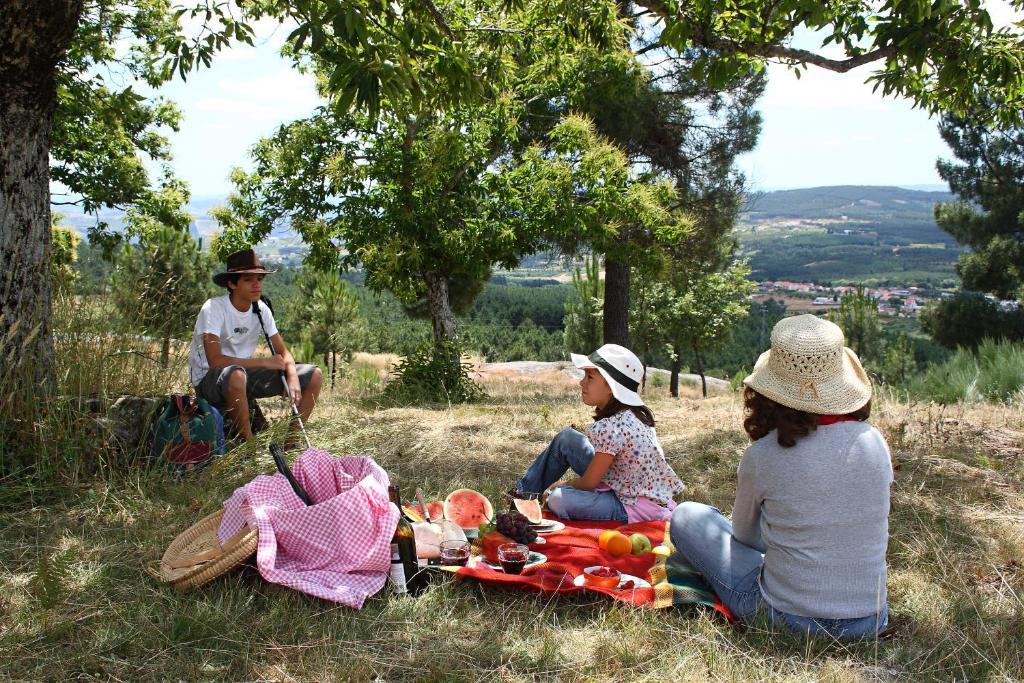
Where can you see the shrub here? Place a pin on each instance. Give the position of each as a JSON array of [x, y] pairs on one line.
[[994, 373], [1000, 370], [433, 373]]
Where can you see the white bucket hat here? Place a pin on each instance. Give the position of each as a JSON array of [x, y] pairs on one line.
[[809, 368], [620, 368]]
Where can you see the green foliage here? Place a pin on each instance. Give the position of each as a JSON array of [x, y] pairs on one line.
[[875, 258], [584, 312], [988, 217], [995, 372], [365, 377], [897, 366], [429, 375], [583, 188], [966, 319], [374, 55], [944, 56], [700, 310], [857, 316], [92, 270], [328, 313], [646, 312], [748, 339], [423, 214], [1001, 371], [103, 128], [160, 282], [64, 244], [49, 584]]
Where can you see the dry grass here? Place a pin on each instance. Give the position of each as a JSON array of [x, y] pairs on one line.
[[956, 582]]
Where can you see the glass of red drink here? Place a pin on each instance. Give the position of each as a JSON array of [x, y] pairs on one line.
[[455, 552], [513, 557]]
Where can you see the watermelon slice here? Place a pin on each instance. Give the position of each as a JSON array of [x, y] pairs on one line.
[[529, 509], [467, 508], [434, 507]]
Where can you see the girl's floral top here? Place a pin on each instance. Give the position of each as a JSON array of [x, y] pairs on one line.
[[638, 468]]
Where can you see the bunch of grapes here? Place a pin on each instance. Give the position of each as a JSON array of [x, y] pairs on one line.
[[515, 525]]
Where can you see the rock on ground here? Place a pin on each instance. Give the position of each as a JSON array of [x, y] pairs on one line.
[[566, 372]]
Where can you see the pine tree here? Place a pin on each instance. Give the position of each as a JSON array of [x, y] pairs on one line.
[[583, 317], [989, 214]]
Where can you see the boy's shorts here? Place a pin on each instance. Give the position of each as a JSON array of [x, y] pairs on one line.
[[260, 382]]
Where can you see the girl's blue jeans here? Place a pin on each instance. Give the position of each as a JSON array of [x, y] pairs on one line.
[[570, 450], [703, 538]]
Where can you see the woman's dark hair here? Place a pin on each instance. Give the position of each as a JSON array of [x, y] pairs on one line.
[[643, 413], [763, 415]]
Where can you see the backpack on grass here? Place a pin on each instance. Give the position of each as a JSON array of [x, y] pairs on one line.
[[187, 435]]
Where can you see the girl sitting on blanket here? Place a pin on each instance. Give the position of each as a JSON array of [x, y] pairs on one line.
[[807, 542], [621, 470]]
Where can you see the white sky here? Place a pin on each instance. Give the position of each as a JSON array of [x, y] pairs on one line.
[[823, 129]]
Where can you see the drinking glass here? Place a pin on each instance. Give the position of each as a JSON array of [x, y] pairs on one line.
[[454, 552], [513, 557]]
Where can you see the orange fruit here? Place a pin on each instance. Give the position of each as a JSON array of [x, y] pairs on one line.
[[615, 543]]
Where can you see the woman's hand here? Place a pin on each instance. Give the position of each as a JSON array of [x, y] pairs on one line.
[[548, 490]]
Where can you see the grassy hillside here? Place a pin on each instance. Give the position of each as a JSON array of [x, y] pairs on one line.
[[876, 235], [956, 582], [855, 202]]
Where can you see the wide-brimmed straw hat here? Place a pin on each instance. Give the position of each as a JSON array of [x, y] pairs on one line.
[[809, 368], [620, 368], [241, 262], [197, 556]]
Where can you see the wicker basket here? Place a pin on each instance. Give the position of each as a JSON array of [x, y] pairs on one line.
[[196, 557]]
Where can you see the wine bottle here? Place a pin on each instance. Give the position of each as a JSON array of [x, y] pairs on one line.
[[406, 575]]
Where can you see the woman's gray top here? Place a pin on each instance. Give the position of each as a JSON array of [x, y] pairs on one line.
[[819, 512]]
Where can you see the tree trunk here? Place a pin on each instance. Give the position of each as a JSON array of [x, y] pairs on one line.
[[334, 367], [34, 35], [700, 371], [616, 302], [441, 315], [677, 365], [165, 351]]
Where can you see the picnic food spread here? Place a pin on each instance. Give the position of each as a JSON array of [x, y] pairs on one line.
[[299, 545]]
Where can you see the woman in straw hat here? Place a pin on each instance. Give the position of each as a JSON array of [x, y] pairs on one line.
[[621, 469], [807, 542]]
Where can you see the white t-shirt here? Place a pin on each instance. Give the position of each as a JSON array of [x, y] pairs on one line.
[[239, 333]]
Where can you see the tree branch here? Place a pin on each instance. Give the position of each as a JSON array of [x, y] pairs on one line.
[[706, 39], [656, 45], [439, 18]]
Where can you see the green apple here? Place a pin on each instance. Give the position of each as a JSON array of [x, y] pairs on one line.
[[641, 544]]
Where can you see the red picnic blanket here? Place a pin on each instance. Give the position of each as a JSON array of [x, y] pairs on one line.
[[575, 548]]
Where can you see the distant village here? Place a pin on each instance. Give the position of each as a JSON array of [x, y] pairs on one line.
[[892, 302]]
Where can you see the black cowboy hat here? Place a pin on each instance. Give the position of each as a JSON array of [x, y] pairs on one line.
[[241, 263]]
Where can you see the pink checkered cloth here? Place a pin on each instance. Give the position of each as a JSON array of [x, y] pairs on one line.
[[339, 548]]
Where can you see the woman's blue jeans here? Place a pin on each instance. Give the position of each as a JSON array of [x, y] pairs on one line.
[[703, 538], [570, 450]]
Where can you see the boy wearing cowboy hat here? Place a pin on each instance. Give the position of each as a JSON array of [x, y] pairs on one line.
[[227, 331]]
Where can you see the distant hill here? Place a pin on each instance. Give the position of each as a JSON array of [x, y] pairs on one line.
[[848, 233], [855, 202], [840, 234]]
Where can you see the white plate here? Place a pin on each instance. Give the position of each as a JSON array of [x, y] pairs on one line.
[[637, 581], [549, 526], [535, 558]]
